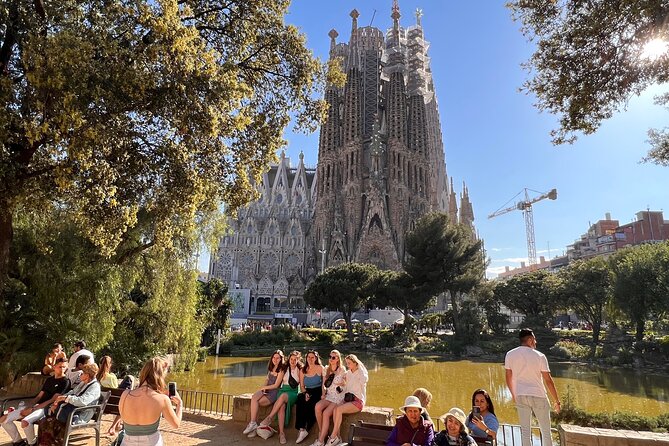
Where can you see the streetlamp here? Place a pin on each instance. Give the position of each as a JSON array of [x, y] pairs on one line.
[[322, 251]]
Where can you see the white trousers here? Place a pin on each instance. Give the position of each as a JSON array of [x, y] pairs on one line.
[[29, 430], [540, 406]]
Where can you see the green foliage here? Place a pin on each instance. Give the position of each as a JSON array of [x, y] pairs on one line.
[[570, 413], [586, 287], [145, 116], [396, 289], [63, 290], [570, 349], [278, 336], [214, 308], [443, 258], [641, 282], [588, 61], [533, 294], [484, 294], [471, 321], [328, 337], [346, 288]]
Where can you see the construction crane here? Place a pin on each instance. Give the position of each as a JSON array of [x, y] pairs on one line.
[[526, 206]]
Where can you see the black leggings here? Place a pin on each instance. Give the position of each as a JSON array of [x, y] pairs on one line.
[[305, 411]]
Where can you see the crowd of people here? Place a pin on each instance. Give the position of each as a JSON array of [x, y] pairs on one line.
[[322, 394], [78, 383]]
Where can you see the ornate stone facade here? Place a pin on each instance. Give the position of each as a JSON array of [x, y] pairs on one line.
[[381, 162], [267, 250]]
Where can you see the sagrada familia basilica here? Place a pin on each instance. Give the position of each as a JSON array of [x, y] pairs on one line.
[[381, 166]]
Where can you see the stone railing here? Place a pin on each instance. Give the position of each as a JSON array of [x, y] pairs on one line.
[[241, 411], [571, 435], [27, 385]]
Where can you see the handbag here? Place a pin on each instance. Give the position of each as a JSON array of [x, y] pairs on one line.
[[292, 382], [348, 397], [329, 379]]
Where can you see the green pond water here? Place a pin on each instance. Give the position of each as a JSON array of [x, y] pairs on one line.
[[392, 378]]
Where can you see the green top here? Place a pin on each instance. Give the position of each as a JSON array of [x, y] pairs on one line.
[[146, 429]]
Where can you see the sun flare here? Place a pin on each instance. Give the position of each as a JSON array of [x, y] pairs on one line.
[[655, 49]]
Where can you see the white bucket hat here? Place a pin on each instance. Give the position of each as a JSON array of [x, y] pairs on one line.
[[458, 414], [412, 401]]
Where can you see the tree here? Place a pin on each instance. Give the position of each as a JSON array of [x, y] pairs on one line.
[[346, 288], [589, 60], [214, 308], [641, 282], [443, 258], [533, 294], [586, 287], [145, 115], [397, 290], [484, 294]]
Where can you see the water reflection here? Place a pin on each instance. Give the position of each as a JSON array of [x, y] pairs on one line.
[[393, 377]]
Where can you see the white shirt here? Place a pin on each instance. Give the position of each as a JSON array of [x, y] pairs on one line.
[[526, 365], [295, 372], [356, 382], [72, 373]]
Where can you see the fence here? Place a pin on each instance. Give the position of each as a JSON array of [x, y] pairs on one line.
[[210, 403], [509, 434]]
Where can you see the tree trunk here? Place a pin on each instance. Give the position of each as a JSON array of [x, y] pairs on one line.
[[6, 235], [456, 313], [640, 327], [349, 327]]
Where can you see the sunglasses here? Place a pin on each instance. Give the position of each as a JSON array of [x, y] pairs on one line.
[[333, 357]]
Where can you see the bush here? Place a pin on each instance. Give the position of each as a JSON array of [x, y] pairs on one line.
[[616, 420], [569, 349], [328, 337], [277, 337]]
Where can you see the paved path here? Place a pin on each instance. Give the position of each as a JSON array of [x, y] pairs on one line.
[[194, 430]]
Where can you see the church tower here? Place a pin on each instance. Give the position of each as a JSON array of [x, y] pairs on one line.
[[381, 163]]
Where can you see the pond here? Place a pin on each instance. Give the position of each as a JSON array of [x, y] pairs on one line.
[[392, 378]]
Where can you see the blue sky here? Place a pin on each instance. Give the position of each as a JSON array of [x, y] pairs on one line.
[[494, 138]]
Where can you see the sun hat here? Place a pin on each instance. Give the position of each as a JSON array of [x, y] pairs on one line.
[[412, 401], [456, 413]]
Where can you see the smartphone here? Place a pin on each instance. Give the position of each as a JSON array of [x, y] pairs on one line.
[[172, 389], [476, 411]]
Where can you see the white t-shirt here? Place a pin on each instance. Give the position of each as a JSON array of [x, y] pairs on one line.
[[526, 365], [72, 373]]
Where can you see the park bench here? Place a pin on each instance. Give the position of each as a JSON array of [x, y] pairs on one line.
[[114, 398], [368, 434], [94, 422]]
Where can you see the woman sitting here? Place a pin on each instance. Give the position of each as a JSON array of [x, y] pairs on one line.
[[105, 376], [312, 386], [142, 408], [354, 399], [268, 393], [455, 433], [483, 424], [287, 396], [333, 389], [412, 428], [425, 397], [50, 359]]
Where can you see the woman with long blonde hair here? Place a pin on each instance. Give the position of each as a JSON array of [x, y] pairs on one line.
[[333, 389], [142, 407], [354, 397]]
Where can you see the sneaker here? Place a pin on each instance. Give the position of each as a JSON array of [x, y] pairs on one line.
[[333, 441], [253, 433], [282, 438], [250, 427], [317, 443], [266, 422], [301, 436]]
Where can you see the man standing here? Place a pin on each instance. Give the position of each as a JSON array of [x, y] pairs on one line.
[[55, 385], [526, 374], [79, 349]]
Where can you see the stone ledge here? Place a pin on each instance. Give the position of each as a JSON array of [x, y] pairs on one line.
[[571, 435], [241, 411]]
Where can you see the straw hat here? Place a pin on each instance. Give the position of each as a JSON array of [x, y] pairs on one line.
[[456, 413], [412, 401]]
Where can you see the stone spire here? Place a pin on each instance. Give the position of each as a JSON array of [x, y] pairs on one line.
[[452, 205], [333, 40], [466, 209], [419, 14]]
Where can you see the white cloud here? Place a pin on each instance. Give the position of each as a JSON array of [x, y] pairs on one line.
[[511, 260], [495, 270]]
